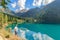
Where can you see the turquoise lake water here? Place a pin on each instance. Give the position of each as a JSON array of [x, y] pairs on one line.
[[52, 30]]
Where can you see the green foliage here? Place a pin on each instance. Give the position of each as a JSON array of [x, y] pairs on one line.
[[3, 3]]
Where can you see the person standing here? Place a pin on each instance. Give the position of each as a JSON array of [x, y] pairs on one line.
[[16, 30]]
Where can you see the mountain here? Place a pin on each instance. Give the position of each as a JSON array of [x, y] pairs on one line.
[[29, 13], [48, 14], [52, 12]]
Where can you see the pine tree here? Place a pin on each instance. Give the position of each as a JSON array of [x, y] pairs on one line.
[[4, 3]]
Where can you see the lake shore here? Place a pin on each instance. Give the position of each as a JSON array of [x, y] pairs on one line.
[[7, 35]]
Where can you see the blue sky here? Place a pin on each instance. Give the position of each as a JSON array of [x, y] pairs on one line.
[[28, 4], [17, 5]]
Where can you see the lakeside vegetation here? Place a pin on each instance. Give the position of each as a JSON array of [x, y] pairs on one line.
[[5, 20]]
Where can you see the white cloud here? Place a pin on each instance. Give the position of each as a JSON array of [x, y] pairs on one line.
[[13, 4], [21, 4], [37, 2], [44, 2]]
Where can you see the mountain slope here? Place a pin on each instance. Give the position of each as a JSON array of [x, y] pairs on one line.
[[52, 12]]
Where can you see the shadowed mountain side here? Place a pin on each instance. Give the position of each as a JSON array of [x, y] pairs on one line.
[[52, 12]]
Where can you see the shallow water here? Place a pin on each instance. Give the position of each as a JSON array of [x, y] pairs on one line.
[[52, 30]]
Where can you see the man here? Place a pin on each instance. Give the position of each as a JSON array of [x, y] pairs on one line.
[[16, 30]]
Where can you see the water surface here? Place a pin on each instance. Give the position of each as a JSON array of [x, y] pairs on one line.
[[52, 30]]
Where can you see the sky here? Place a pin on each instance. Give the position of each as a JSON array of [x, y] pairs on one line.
[[17, 5]]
